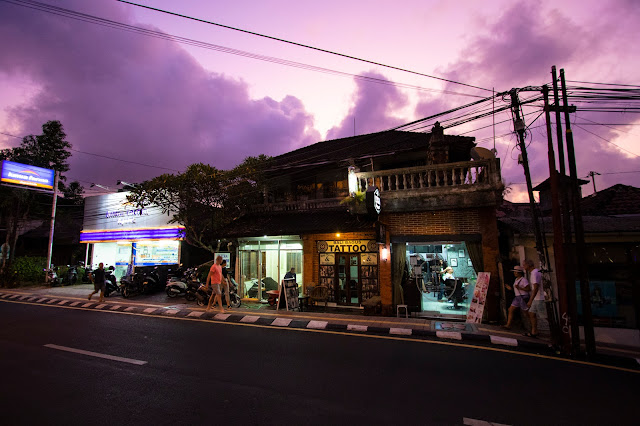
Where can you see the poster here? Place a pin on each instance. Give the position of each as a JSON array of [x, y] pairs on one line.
[[479, 297]]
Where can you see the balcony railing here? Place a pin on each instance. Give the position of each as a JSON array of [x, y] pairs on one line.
[[483, 174], [290, 206]]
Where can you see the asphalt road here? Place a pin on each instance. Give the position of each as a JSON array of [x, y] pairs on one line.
[[197, 372]]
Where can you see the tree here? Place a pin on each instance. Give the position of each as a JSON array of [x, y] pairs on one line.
[[49, 150], [204, 199]]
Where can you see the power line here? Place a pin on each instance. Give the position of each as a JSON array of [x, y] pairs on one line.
[[606, 140], [302, 45]]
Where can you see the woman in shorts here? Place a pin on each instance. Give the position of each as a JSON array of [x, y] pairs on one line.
[[521, 288]]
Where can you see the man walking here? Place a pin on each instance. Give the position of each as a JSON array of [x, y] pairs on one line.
[[215, 278], [98, 282], [225, 283], [536, 304]]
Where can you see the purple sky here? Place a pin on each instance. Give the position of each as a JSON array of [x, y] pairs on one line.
[[153, 101]]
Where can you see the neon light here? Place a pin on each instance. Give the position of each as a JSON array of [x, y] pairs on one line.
[[132, 235]]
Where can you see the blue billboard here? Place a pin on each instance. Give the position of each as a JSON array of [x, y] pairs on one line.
[[26, 175]]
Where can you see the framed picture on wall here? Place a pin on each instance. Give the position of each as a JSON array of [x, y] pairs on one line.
[[453, 261], [460, 253], [469, 263]]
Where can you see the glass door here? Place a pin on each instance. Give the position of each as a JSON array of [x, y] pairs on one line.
[[348, 279], [249, 273]]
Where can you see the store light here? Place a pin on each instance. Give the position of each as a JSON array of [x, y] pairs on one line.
[[384, 255], [353, 180], [338, 235]]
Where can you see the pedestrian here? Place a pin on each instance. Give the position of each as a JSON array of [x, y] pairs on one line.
[[226, 284], [97, 277], [215, 278], [521, 289], [537, 308], [290, 274]]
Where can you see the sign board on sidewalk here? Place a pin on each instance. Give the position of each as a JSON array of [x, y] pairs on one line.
[[26, 175], [478, 298], [288, 295]]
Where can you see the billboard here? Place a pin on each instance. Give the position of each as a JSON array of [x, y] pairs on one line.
[[25, 175]]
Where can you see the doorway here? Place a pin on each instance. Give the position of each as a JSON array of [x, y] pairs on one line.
[[348, 282]]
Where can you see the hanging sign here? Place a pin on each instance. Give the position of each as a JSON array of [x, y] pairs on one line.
[[479, 298], [348, 246], [26, 175]]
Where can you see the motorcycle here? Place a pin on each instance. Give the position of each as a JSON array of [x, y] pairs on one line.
[[151, 281], [203, 295], [52, 276], [72, 275], [131, 284], [186, 285], [110, 282]]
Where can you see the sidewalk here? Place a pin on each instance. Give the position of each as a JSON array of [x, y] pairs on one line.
[[318, 319]]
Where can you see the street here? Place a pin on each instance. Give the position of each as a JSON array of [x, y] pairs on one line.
[[191, 371]]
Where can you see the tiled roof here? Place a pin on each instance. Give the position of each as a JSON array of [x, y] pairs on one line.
[[299, 223], [617, 200], [379, 144]]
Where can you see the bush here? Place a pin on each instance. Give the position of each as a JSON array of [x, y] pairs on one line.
[[29, 269]]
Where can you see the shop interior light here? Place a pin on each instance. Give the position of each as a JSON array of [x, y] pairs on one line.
[[338, 235], [384, 255]]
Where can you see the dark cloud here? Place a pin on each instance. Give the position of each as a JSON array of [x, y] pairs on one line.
[[372, 109], [141, 98]]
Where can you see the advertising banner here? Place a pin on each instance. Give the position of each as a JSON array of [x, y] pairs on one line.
[[479, 298], [26, 175]]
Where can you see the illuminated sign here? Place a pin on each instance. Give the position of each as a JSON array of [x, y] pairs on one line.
[[113, 235], [373, 201], [347, 246], [23, 174]]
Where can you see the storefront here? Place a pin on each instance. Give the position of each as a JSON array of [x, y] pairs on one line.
[[349, 269], [119, 235], [266, 260]]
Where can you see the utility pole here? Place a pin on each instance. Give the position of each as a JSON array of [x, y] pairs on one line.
[[593, 175], [519, 127], [587, 319], [560, 335]]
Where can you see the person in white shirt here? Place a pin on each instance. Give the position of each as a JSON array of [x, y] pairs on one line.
[[521, 289], [537, 308]]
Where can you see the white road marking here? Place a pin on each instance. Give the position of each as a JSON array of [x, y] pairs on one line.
[[86, 305], [96, 354], [249, 318], [149, 310], [499, 340], [23, 297], [402, 331], [222, 317], [62, 302], [104, 305], [53, 300], [317, 325], [32, 298], [115, 307], [449, 335], [196, 314], [474, 422], [281, 322], [130, 308], [75, 303], [357, 327], [172, 311], [14, 296], [43, 299]]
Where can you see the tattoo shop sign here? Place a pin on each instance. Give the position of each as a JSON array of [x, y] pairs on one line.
[[347, 246]]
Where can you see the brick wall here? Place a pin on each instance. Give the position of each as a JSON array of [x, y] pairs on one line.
[[441, 222]]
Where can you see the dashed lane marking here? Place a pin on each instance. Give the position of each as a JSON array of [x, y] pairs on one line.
[[317, 325], [62, 302], [500, 340], [149, 310], [474, 422], [41, 300], [281, 322], [101, 306], [222, 317], [14, 296], [53, 300], [23, 297], [115, 307], [196, 314], [96, 354], [357, 327], [455, 335], [250, 318], [401, 331], [75, 303], [171, 311], [86, 305], [130, 308]]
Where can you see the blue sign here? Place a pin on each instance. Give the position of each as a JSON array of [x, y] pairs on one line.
[[23, 174]]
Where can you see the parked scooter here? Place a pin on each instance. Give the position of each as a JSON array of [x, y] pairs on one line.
[[72, 275], [151, 281], [187, 284], [110, 282], [131, 284], [52, 276]]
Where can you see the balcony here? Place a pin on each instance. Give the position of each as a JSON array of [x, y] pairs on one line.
[[291, 206], [437, 187]]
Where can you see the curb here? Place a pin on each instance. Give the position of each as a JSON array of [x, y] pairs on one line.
[[293, 323]]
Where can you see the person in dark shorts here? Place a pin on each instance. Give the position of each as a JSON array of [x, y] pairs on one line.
[[98, 282], [521, 288], [215, 278], [225, 284]]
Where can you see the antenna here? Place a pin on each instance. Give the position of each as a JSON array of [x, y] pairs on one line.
[[479, 153]]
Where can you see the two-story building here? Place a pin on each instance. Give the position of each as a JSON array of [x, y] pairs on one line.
[[435, 207]]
